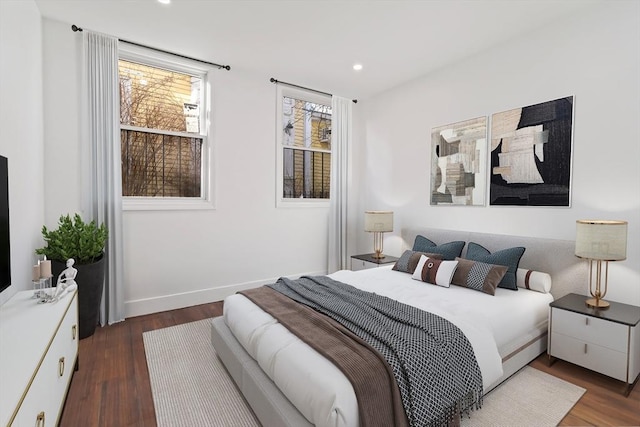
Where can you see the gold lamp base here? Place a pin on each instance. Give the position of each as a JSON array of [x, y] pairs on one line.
[[598, 294], [377, 245], [597, 303]]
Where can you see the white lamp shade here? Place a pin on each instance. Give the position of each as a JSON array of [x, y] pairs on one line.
[[378, 221], [601, 239]]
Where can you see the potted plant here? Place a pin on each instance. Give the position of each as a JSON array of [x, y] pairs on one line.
[[84, 242]]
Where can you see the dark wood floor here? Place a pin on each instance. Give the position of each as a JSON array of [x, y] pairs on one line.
[[111, 387]]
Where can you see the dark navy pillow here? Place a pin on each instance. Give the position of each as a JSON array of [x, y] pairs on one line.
[[449, 251], [508, 257]]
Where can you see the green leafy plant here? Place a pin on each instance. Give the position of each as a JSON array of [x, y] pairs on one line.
[[84, 242]]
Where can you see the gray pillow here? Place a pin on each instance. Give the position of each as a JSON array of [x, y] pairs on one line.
[[408, 262], [508, 257], [449, 251], [478, 275]]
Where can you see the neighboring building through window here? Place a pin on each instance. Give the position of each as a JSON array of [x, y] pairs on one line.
[[163, 130], [304, 147]]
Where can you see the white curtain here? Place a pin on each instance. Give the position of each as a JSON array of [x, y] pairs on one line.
[[101, 154], [340, 147]]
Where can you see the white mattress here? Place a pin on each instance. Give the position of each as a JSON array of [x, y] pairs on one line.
[[495, 326]]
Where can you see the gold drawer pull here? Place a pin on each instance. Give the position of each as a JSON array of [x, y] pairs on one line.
[[74, 331], [61, 366], [585, 349], [40, 419]]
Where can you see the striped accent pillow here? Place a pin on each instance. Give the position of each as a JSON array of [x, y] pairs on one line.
[[533, 280], [408, 261], [478, 276], [435, 271]]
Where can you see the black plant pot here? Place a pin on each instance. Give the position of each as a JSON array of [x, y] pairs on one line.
[[90, 280]]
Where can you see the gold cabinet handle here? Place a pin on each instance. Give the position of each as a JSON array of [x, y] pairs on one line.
[[40, 419], [74, 331], [61, 366]]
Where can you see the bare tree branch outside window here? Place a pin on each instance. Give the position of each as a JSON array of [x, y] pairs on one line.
[[160, 132]]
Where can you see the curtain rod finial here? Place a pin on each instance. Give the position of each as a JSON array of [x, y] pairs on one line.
[[75, 28]]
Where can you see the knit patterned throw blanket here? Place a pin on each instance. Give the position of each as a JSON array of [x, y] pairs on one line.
[[433, 362]]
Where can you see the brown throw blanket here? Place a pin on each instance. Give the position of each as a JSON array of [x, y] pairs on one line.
[[379, 401]]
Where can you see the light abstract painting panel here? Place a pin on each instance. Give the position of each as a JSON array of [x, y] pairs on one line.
[[531, 155], [459, 162]]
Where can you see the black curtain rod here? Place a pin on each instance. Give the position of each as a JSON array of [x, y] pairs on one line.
[[272, 80], [226, 67]]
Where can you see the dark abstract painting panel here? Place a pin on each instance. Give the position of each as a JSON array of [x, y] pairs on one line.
[[531, 155]]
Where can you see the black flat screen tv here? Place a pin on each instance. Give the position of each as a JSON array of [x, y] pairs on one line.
[[5, 247]]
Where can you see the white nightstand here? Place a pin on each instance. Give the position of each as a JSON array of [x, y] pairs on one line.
[[361, 262], [605, 341]]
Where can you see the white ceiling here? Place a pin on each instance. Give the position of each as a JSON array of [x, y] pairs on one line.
[[315, 43]]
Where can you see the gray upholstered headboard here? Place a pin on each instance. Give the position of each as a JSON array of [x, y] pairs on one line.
[[556, 257]]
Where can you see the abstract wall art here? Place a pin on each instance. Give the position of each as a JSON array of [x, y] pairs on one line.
[[531, 155], [459, 163]]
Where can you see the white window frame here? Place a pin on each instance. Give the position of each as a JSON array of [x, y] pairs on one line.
[[282, 91], [154, 58]]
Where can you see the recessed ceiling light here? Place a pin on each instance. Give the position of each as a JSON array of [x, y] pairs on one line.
[[164, 1], [357, 67]]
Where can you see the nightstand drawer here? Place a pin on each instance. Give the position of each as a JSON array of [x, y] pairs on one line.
[[358, 264], [589, 355], [365, 261], [590, 329], [605, 341]]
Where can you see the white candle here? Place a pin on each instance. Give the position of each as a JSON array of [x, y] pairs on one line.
[[35, 273], [45, 269]]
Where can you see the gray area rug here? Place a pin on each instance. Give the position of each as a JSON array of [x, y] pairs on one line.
[[529, 398], [191, 387]]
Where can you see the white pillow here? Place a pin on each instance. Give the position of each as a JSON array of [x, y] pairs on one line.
[[435, 271], [533, 280]]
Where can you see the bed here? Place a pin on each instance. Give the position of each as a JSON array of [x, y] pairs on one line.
[[507, 330]]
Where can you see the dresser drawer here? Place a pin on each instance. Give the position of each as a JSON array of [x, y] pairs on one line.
[[591, 356], [590, 329]]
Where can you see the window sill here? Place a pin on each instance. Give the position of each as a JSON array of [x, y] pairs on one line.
[[165, 204], [302, 203]]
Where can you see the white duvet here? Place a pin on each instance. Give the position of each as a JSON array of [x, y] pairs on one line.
[[322, 393]]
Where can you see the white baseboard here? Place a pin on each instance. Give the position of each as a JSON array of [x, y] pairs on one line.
[[157, 304]]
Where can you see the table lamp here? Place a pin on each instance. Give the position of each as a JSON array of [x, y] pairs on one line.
[[598, 241], [378, 222]]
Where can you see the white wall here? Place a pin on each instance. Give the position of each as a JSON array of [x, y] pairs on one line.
[[176, 259], [181, 258], [62, 142], [594, 56], [246, 240], [21, 133]]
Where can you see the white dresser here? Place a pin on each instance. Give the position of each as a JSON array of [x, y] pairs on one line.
[[605, 341], [38, 353]]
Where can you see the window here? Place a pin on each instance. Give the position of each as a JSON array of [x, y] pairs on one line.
[[304, 148], [163, 132]]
